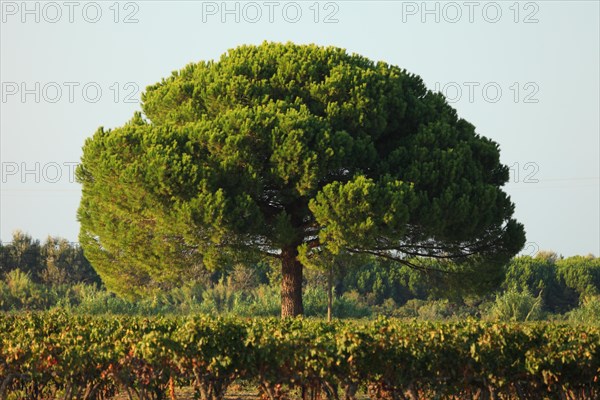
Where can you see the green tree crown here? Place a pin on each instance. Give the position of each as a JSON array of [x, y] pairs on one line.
[[279, 146]]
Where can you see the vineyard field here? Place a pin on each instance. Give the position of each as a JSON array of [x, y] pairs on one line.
[[59, 355]]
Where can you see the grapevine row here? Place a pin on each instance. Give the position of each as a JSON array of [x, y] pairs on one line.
[[57, 355]]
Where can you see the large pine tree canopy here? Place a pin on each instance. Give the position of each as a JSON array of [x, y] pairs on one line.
[[278, 147]]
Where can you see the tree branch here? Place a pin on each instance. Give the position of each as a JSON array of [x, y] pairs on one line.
[[401, 261]]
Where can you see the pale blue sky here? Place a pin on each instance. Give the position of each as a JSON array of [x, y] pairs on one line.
[[543, 57]]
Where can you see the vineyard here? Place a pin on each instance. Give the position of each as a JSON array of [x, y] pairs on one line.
[[58, 355]]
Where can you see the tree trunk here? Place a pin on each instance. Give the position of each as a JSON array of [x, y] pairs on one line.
[[291, 283]]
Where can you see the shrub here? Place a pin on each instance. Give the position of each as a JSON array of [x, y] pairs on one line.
[[20, 292], [588, 312], [314, 299], [435, 310], [266, 302], [514, 305], [350, 305]]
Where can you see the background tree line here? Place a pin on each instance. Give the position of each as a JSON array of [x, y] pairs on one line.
[[55, 273], [54, 262]]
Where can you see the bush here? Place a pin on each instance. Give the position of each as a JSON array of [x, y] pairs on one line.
[[350, 305], [219, 298], [410, 309], [314, 299], [265, 302], [588, 312], [20, 292], [435, 310], [94, 301], [514, 305]]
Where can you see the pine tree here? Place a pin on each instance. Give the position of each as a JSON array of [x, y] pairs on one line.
[[280, 148]]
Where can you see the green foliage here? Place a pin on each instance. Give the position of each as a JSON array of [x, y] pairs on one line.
[[54, 262], [350, 305], [22, 253], [265, 302], [588, 312], [277, 146], [363, 287], [514, 305], [581, 273], [433, 310], [65, 263], [19, 292], [52, 355], [219, 298], [539, 275], [562, 282], [377, 281]]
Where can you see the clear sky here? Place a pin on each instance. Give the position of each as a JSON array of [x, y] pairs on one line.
[[526, 74]]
